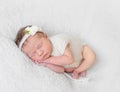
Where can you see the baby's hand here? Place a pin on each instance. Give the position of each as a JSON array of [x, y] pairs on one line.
[[83, 74], [37, 62], [40, 61], [45, 60]]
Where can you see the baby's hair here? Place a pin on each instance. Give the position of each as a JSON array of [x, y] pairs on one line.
[[21, 33]]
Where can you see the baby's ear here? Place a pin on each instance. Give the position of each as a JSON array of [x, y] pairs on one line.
[[45, 35]]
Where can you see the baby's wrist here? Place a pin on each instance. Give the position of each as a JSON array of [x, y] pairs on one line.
[[47, 60]]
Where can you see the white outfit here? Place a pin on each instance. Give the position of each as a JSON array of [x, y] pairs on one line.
[[59, 43]]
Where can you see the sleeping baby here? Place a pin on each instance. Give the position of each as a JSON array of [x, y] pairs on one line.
[[61, 53]]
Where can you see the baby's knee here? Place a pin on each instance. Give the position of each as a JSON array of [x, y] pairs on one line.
[[89, 54], [92, 56]]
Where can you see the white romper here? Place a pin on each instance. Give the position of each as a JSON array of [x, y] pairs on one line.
[[59, 43]]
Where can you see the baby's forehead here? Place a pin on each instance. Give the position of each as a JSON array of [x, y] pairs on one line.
[[32, 39], [31, 42], [28, 46]]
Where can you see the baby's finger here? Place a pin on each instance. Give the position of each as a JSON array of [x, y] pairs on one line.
[[36, 61]]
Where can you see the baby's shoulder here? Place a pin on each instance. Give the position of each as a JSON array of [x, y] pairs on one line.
[[66, 37], [59, 43], [60, 37]]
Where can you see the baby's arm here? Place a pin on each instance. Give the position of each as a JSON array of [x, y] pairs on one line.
[[65, 59], [88, 59], [56, 68]]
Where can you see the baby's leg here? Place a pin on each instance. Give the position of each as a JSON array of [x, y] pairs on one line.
[[56, 68], [88, 59]]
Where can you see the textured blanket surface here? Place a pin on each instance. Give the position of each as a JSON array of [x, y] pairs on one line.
[[95, 21]]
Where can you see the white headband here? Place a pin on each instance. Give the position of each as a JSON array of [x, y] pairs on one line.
[[29, 31]]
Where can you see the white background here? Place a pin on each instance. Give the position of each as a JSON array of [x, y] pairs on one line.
[[95, 21]]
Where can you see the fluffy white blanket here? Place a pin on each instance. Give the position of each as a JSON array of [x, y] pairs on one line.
[[95, 21]]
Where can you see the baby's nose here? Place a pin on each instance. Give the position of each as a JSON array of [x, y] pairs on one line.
[[39, 52]]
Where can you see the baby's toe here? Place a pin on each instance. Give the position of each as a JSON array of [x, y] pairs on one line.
[[83, 74], [75, 75]]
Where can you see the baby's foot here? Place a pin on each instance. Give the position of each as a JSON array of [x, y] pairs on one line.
[[69, 70], [75, 75], [83, 74]]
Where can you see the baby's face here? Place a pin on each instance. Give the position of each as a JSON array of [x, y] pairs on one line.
[[37, 48]]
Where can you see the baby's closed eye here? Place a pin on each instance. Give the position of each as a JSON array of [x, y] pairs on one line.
[[39, 45]]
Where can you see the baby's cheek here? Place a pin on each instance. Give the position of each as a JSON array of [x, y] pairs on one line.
[[33, 58]]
